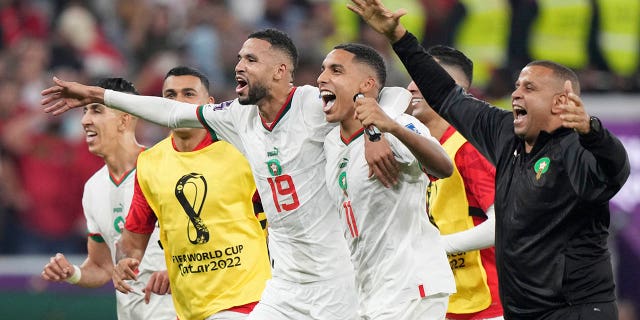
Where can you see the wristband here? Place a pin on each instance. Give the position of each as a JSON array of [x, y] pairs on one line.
[[75, 278]]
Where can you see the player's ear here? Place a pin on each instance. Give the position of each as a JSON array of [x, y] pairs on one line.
[[367, 85], [559, 100]]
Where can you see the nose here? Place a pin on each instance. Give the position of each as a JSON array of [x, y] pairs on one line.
[[321, 78], [86, 119], [239, 66]]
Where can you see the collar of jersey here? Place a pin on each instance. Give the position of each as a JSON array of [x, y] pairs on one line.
[[354, 136], [283, 110]]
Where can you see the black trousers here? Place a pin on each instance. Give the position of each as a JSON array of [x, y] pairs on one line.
[[588, 311]]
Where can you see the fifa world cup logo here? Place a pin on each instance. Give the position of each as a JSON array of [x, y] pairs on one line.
[[196, 185]]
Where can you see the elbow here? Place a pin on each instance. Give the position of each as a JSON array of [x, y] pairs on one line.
[[447, 169], [444, 169]]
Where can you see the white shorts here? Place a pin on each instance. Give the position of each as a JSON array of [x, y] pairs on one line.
[[228, 315], [131, 306], [433, 307], [334, 299]]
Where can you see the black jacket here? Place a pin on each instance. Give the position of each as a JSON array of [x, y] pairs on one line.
[[551, 227]]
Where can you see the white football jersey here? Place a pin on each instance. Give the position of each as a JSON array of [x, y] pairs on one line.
[[287, 160], [106, 205], [396, 251]]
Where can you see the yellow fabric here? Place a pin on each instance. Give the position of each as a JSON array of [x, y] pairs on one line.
[[619, 35], [449, 208], [226, 263], [560, 32], [483, 36]]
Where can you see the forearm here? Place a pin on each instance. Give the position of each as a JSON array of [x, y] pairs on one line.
[[610, 155], [165, 112], [94, 275], [132, 245], [479, 237], [428, 152]]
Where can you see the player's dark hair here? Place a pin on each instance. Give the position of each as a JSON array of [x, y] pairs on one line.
[[449, 56], [369, 56], [187, 71], [280, 41], [117, 84]]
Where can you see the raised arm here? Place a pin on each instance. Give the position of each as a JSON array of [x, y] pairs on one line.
[[66, 95]]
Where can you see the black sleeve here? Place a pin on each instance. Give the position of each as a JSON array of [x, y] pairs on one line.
[[603, 168], [432, 80], [483, 125]]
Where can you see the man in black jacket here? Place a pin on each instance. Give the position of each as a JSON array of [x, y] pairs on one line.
[[556, 169]]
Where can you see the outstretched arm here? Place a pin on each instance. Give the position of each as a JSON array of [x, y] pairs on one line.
[[66, 95]]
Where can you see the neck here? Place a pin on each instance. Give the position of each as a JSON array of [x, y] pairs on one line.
[[123, 158], [270, 105], [349, 126], [186, 142], [437, 127]]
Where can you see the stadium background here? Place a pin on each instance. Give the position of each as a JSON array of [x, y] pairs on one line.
[[44, 162]]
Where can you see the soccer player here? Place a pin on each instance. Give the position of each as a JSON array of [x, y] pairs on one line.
[[200, 191], [280, 128], [401, 268], [110, 134], [462, 205], [557, 167]]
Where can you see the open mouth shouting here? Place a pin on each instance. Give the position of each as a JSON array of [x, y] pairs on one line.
[[242, 84], [519, 115], [328, 100]]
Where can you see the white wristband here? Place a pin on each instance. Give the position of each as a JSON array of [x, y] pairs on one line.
[[75, 278]]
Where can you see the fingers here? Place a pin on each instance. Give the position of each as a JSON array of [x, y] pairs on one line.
[[124, 270], [388, 171], [58, 268], [381, 161], [147, 293], [568, 88]]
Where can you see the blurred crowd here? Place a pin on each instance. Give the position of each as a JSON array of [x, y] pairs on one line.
[[43, 159]]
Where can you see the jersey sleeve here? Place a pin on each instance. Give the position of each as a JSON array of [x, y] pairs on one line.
[[220, 119], [478, 176], [402, 153], [93, 229], [141, 218]]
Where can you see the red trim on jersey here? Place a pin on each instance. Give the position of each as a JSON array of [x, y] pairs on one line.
[[354, 136], [245, 308], [206, 141], [477, 173], [281, 112], [421, 289], [479, 183], [141, 218]]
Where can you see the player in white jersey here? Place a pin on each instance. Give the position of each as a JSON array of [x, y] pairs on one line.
[[106, 200], [402, 271], [282, 137]]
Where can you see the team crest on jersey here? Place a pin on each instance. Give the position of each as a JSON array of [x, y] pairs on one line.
[[118, 224], [274, 167], [541, 166], [342, 180]]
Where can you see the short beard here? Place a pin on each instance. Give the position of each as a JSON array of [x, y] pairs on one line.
[[255, 95]]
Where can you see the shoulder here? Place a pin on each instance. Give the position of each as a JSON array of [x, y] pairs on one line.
[[98, 178]]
